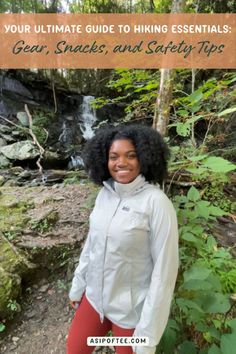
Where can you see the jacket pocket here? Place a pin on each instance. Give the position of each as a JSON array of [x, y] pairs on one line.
[[139, 220]]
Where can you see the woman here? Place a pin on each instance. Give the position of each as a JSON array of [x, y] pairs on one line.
[[128, 266]]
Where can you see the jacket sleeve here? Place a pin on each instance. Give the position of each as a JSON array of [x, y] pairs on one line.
[[164, 250], [79, 280]]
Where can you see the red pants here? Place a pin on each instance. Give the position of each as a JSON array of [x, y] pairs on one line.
[[86, 323]]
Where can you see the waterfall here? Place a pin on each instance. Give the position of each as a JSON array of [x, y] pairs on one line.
[[88, 117]]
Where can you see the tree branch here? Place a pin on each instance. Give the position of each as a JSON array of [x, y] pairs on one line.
[[35, 140]]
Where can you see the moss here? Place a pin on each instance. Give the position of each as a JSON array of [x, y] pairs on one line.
[[12, 212], [13, 265], [40, 134], [9, 290], [12, 260]]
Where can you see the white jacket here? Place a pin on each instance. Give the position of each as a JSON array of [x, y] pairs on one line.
[[129, 263]]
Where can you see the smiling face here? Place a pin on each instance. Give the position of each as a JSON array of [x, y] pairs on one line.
[[123, 163]]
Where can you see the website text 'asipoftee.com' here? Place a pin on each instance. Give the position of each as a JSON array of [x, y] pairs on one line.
[[117, 341]]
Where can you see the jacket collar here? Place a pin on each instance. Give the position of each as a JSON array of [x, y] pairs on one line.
[[125, 189]]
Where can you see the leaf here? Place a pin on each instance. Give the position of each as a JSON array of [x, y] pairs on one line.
[[189, 237], [193, 194], [228, 343], [211, 243], [183, 129], [214, 350], [182, 113], [232, 324], [214, 333], [195, 97], [214, 302], [227, 111], [215, 282], [202, 208], [168, 340], [196, 284], [188, 347], [197, 272], [218, 164], [197, 230], [186, 304], [2, 327], [216, 211], [198, 157]]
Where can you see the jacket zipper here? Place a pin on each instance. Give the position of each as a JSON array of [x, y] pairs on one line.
[[105, 249]]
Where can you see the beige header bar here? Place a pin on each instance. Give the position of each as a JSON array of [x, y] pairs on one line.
[[118, 41]]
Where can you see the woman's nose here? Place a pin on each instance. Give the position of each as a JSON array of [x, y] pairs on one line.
[[122, 161]]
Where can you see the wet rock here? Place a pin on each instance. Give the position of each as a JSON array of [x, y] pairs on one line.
[[4, 162], [8, 138], [4, 129], [23, 118], [2, 142], [22, 150]]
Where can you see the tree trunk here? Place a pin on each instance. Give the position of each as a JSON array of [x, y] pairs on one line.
[[164, 97]]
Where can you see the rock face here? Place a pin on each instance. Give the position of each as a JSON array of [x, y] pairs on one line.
[[61, 130], [22, 150], [13, 265]]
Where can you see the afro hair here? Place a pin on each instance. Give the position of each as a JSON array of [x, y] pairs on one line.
[[152, 152]]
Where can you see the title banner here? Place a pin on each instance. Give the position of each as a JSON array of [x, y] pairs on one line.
[[118, 41]]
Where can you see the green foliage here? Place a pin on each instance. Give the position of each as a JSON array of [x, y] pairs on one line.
[[62, 285], [46, 223], [36, 6], [2, 327], [200, 166], [64, 256], [13, 306], [201, 308], [137, 90], [206, 103], [40, 225], [41, 121], [10, 235], [216, 196]]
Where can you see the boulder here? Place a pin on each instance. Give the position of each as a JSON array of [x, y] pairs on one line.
[[22, 150]]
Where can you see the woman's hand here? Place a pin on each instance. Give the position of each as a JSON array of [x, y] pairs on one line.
[[74, 304]]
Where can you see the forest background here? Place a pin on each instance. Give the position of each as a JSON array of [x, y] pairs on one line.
[[195, 111]]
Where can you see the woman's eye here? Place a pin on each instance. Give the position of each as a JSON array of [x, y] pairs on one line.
[[132, 156], [113, 158]]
